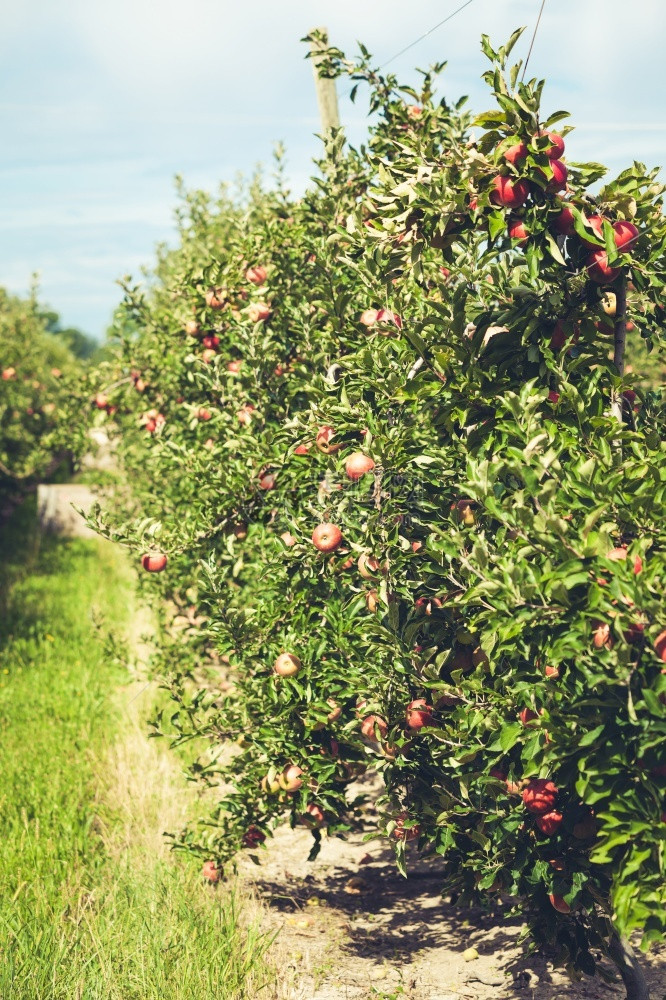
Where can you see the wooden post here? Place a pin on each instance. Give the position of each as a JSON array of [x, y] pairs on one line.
[[327, 97]]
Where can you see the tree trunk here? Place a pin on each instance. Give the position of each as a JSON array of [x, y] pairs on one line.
[[629, 968]]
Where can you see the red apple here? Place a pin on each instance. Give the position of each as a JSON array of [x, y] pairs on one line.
[[192, 328], [516, 153], [419, 714], [509, 193], [314, 815], [267, 481], [563, 223], [602, 638], [399, 831], [373, 725], [596, 224], [288, 539], [528, 715], [203, 414], [154, 562], [245, 414], [556, 149], [599, 269], [549, 822], [211, 872], [287, 665], [553, 397], [211, 341], [290, 779], [258, 312], [358, 464], [301, 449], [368, 565], [386, 316], [326, 537], [626, 234], [539, 796], [518, 231], [256, 275], [216, 298], [252, 837], [101, 401], [552, 672], [559, 903], [558, 181], [235, 366]]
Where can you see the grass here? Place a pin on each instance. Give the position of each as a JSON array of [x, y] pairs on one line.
[[92, 905]]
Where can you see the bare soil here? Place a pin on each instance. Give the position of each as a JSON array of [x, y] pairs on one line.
[[351, 927]]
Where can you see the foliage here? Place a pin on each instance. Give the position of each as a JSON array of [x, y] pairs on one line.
[[501, 562], [41, 387]]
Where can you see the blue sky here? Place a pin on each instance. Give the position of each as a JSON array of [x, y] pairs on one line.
[[102, 102]]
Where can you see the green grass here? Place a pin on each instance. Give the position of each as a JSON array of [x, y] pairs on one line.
[[91, 906]]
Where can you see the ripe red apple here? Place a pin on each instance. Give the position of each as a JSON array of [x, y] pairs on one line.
[[258, 312], [192, 328], [426, 606], [267, 481], [326, 537], [539, 796], [151, 425], [256, 275], [252, 837], [369, 317], [419, 714], [620, 553], [358, 464], [235, 366], [556, 149], [516, 154], [301, 449], [287, 665], [8, 373], [288, 539], [399, 831], [553, 397], [558, 903], [211, 872], [216, 298], [154, 562], [563, 223], [314, 815], [518, 231], [498, 772], [549, 822], [527, 715], [386, 316], [207, 355], [509, 193], [290, 780], [558, 181], [596, 224], [445, 272], [101, 401], [599, 269], [211, 341], [552, 672], [414, 111], [626, 234], [323, 441], [203, 414], [373, 725], [602, 637]]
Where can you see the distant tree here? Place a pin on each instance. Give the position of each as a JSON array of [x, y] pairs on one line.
[[79, 343]]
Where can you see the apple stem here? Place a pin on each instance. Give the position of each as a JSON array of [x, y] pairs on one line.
[[628, 966]]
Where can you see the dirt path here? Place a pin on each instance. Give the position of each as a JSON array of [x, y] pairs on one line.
[[349, 926], [352, 928]]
